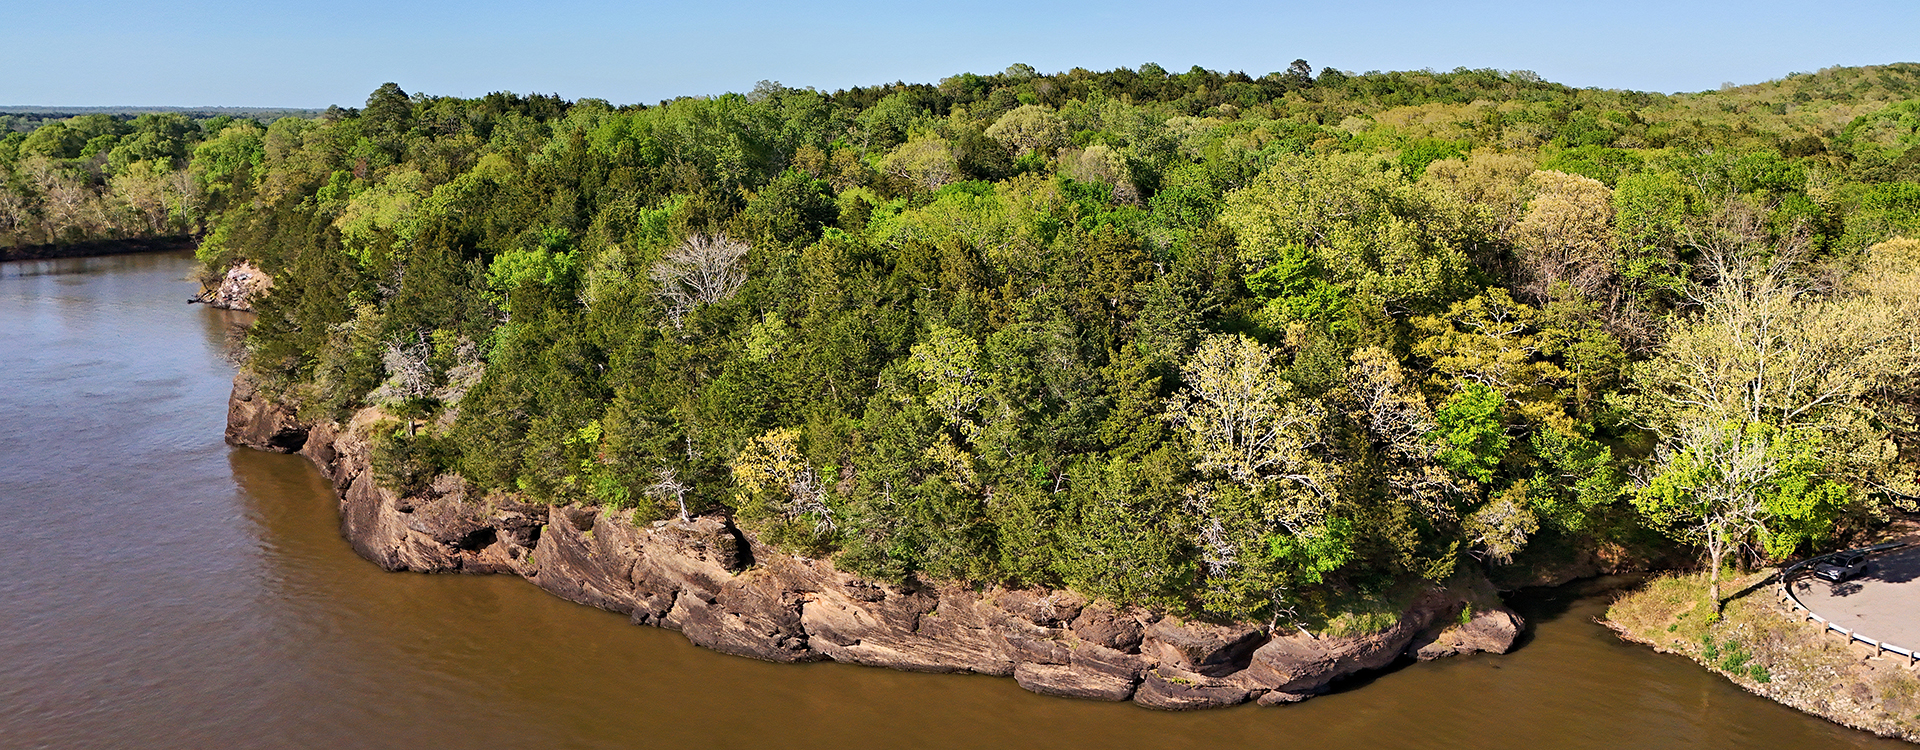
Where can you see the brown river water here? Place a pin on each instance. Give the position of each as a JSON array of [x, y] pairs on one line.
[[162, 590]]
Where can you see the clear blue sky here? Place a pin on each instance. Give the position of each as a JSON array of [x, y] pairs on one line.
[[315, 53]]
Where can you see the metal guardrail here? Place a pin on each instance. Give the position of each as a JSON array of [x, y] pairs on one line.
[[1787, 575]]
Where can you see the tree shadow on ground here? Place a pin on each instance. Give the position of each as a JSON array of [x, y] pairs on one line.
[[1900, 566], [1803, 584]]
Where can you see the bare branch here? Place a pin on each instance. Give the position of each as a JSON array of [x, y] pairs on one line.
[[700, 271]]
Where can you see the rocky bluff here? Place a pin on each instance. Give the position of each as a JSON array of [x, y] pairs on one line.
[[238, 289], [724, 590]]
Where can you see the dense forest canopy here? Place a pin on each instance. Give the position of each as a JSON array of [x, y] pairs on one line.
[[1228, 345]]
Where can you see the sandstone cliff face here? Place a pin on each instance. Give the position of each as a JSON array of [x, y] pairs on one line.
[[727, 592], [258, 423]]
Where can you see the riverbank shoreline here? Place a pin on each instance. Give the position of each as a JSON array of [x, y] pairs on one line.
[[1767, 649], [99, 248], [724, 590]]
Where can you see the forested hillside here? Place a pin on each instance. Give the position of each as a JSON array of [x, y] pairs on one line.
[[1228, 345]]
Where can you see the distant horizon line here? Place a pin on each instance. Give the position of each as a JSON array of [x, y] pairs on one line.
[[14, 109], [131, 108]]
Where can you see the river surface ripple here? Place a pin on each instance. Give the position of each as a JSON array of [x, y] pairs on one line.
[[162, 590]]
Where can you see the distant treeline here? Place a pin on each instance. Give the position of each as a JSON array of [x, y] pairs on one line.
[[27, 118], [99, 177], [1231, 345]]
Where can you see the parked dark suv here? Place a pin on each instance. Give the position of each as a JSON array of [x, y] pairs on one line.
[[1842, 566]]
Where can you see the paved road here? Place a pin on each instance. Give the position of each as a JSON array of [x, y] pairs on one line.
[[1883, 605]]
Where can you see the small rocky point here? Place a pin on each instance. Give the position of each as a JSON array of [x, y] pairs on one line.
[[724, 590], [238, 289]]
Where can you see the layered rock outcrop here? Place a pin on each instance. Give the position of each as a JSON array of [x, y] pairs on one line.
[[725, 591], [257, 422]]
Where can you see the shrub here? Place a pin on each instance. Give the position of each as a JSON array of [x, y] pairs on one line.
[[406, 461]]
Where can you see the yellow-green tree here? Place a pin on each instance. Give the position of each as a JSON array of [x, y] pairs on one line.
[[1565, 236]]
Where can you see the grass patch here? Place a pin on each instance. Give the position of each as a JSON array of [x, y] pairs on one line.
[[1761, 644], [1362, 613]]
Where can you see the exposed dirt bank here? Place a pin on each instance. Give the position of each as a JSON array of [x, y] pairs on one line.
[[724, 590]]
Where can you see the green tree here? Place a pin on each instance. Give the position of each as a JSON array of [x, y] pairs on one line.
[[1470, 426], [1724, 487]]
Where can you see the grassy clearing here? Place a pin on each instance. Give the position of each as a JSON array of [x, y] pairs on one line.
[[1760, 644], [1361, 615]]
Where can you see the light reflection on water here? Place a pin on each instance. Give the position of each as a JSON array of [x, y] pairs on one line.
[[163, 590]]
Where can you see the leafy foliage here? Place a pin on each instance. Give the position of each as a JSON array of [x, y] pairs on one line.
[[1234, 346]]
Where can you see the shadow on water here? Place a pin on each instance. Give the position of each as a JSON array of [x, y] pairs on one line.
[[226, 331], [1367, 677], [1536, 606], [1544, 605], [99, 265]]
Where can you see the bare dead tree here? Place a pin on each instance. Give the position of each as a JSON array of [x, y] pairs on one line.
[[465, 373], [187, 196], [809, 498], [1739, 254], [409, 374], [667, 484], [700, 271], [1217, 552]]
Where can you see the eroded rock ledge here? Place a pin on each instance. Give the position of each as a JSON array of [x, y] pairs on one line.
[[724, 590]]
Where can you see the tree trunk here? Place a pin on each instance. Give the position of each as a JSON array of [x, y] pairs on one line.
[[1713, 577]]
